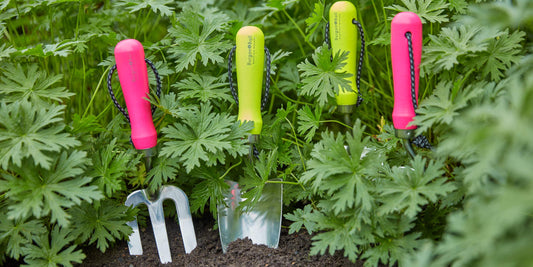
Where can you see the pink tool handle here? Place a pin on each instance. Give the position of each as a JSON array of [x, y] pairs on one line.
[[403, 112], [133, 76]]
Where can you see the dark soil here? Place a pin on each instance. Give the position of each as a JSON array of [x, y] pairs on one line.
[[293, 250]]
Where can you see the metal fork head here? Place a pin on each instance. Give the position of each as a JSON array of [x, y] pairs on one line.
[[155, 209]]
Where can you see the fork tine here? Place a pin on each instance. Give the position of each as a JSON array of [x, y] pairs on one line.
[[134, 240], [184, 215], [157, 217]]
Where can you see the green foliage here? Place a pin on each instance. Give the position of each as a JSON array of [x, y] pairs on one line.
[[489, 138], [390, 251], [109, 167], [101, 222], [30, 131], [209, 190], [203, 88], [413, 187], [502, 52], [309, 122], [257, 174], [198, 37], [321, 79], [495, 53], [344, 175], [67, 163], [365, 207], [32, 85], [17, 233], [204, 136], [427, 10], [452, 44], [50, 249], [157, 6], [445, 104], [41, 192], [315, 21], [163, 170]]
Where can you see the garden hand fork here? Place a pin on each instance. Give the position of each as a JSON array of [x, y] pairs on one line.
[[133, 76]]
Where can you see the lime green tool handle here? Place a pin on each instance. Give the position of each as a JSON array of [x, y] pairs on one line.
[[343, 37], [250, 60]]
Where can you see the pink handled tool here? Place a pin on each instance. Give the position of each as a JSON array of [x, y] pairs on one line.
[[133, 76], [406, 50], [405, 25]]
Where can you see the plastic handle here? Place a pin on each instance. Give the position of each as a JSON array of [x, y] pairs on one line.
[[133, 76], [343, 37], [404, 112], [250, 60]]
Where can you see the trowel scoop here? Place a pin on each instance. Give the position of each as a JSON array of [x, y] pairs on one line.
[[262, 222]]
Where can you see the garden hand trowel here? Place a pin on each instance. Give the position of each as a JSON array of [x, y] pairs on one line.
[[261, 223], [406, 51], [133, 76]]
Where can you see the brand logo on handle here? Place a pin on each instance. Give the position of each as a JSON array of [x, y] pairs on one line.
[[337, 26], [251, 50], [132, 69]]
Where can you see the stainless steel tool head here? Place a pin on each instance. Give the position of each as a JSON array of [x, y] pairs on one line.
[[262, 223], [157, 218]]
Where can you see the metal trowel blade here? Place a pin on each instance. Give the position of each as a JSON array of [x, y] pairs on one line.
[[261, 224]]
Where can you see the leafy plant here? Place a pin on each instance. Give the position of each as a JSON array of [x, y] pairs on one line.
[[30, 132], [102, 222], [318, 79], [67, 163], [41, 192], [199, 36], [50, 249], [204, 136], [32, 85]]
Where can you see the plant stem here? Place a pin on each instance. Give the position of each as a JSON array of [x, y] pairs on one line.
[[336, 121], [95, 91], [281, 182], [229, 169], [292, 142], [298, 28], [77, 32], [297, 147], [286, 97]]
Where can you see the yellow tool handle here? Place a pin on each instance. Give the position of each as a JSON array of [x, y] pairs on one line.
[[250, 60], [343, 37]]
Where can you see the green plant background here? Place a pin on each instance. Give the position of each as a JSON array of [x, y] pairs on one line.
[[67, 164]]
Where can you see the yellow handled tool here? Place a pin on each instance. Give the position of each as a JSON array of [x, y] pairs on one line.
[[343, 37]]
